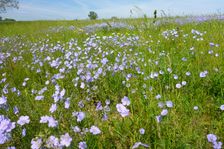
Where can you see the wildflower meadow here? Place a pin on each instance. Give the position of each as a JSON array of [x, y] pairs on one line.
[[124, 83]]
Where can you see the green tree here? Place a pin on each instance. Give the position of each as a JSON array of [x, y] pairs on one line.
[[92, 15], [9, 20], [0, 18], [5, 4]]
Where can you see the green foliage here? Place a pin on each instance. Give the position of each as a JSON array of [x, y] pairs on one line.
[[92, 15], [9, 19]]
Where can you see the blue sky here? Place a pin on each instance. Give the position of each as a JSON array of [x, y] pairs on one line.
[[78, 9]]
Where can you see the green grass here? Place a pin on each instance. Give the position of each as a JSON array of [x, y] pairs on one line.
[[183, 127]]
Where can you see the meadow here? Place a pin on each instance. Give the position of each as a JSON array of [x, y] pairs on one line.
[[124, 83]]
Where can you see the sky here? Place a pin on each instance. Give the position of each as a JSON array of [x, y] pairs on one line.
[[79, 9]]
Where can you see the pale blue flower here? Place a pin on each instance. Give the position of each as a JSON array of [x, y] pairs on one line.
[[160, 104], [178, 85], [169, 104], [42, 90], [158, 96], [6, 126], [36, 143], [104, 61], [203, 74], [50, 120], [23, 120], [67, 104], [4, 138], [62, 93], [11, 147], [211, 138], [44, 119], [82, 145], [53, 142], [81, 104], [24, 132], [99, 106], [82, 85], [3, 100], [164, 112], [65, 140], [125, 101], [107, 101], [137, 144], [217, 145], [15, 110], [175, 76], [142, 131], [122, 110], [188, 73], [76, 129], [53, 108], [41, 97], [105, 117], [94, 130], [195, 107], [183, 83], [80, 116]]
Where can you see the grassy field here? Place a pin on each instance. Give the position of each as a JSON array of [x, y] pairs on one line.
[[142, 85]]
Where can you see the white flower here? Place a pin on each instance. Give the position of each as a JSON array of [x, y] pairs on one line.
[[203, 74], [175, 77], [47, 82], [178, 85], [188, 73], [82, 85], [169, 104], [164, 112], [183, 83], [142, 131], [158, 96], [222, 107], [195, 107]]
